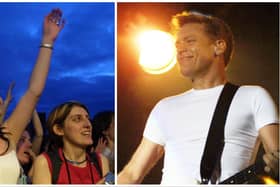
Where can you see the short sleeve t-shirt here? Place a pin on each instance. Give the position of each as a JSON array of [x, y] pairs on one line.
[[180, 123]]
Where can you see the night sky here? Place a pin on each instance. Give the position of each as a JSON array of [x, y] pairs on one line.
[[82, 66]]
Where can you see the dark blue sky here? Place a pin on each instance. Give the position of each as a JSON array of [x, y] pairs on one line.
[[82, 65]]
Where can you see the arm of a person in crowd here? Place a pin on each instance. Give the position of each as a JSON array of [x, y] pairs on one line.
[[38, 137], [20, 117], [5, 104], [105, 165], [41, 172], [269, 135], [146, 156], [105, 168]]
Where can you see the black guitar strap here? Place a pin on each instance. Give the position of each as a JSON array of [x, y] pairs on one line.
[[215, 141]]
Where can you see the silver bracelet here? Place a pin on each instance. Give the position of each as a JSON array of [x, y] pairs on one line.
[[49, 46]]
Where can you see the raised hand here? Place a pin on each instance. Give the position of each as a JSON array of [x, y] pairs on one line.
[[53, 24], [22, 113], [4, 104], [32, 154], [102, 144], [9, 96]]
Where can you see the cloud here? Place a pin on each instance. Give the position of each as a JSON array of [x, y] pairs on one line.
[[82, 66]]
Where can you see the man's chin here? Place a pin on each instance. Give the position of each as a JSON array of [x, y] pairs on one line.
[[186, 73]]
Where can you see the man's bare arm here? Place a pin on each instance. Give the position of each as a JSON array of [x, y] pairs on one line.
[[269, 135], [145, 157]]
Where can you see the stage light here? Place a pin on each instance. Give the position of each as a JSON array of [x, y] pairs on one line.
[[157, 51], [268, 180]]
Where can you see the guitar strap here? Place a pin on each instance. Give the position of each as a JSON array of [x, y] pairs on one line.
[[213, 149]]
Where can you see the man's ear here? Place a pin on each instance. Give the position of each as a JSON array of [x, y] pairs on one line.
[[220, 47], [58, 130]]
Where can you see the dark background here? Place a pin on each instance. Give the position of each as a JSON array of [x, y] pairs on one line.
[[255, 61]]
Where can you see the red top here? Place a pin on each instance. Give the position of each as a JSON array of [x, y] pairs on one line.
[[78, 175]]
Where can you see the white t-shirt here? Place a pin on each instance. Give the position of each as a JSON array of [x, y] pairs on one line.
[[180, 123], [9, 168]]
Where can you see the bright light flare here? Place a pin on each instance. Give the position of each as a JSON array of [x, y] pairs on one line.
[[157, 51], [268, 180]]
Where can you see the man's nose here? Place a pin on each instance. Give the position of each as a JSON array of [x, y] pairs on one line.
[[181, 47]]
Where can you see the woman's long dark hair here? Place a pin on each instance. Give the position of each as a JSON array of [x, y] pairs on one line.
[[101, 122], [3, 136]]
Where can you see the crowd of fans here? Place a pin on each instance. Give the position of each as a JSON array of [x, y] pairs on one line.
[[75, 150]]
